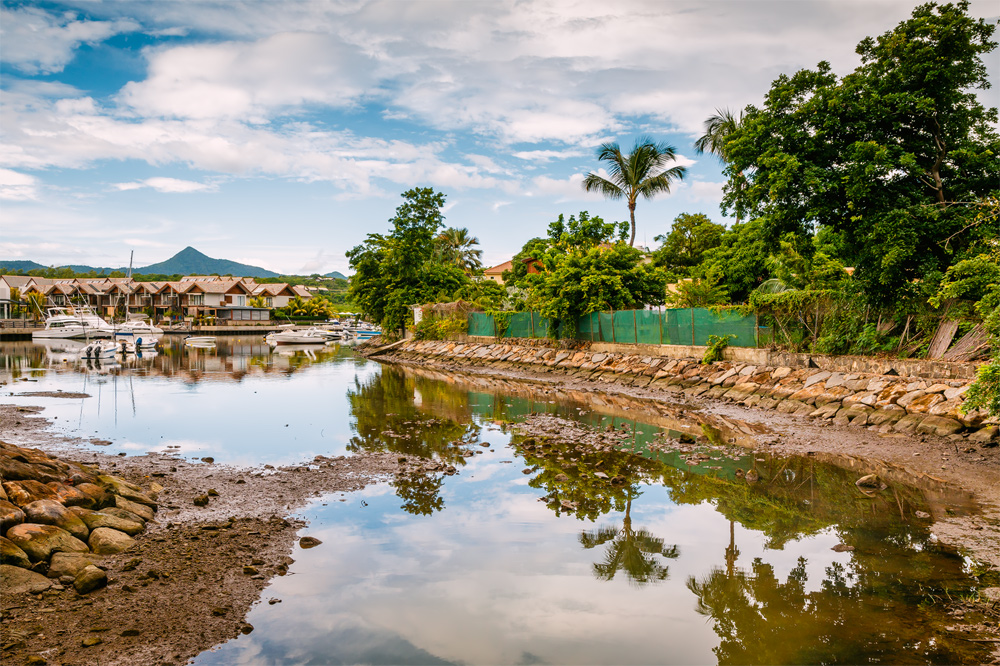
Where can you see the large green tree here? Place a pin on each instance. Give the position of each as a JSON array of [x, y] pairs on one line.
[[890, 156], [395, 271], [719, 129], [642, 172], [684, 247], [458, 247]]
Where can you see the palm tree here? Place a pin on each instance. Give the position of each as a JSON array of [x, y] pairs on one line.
[[719, 129], [643, 172], [456, 247]]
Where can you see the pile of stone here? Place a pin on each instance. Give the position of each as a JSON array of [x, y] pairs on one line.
[[59, 519], [882, 402]]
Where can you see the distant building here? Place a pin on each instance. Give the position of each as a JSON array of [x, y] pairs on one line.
[[495, 273]]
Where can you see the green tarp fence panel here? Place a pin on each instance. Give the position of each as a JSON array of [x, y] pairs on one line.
[[481, 324], [687, 326]]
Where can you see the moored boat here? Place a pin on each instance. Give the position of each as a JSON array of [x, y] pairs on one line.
[[74, 322], [309, 336]]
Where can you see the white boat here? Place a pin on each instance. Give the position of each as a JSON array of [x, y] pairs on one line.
[[140, 325], [310, 336], [74, 322], [99, 349], [200, 341]]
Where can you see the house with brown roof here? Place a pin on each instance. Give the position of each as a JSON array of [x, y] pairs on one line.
[[495, 273]]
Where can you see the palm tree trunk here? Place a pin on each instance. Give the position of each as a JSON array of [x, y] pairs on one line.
[[631, 214]]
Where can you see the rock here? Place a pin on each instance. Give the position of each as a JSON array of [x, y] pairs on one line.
[[941, 426], [909, 397], [249, 570], [921, 514], [107, 541], [818, 377], [842, 548], [89, 579], [200, 500], [937, 388], [827, 411], [836, 379], [11, 554], [101, 497], [26, 492], [987, 434], [91, 641], [70, 496], [887, 416], [96, 519], [129, 491], [889, 395], [924, 403], [123, 514], [908, 423], [951, 393], [51, 512], [15, 580], [809, 394], [309, 542], [853, 415], [10, 515], [40, 541], [780, 373], [70, 564]]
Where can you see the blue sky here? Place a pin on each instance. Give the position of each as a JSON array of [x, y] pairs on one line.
[[280, 133]]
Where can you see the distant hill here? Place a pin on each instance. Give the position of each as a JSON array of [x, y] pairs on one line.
[[190, 261], [20, 266], [336, 274]]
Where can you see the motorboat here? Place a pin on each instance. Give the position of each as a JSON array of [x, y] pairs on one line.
[[200, 341], [141, 325], [291, 336], [99, 349], [74, 322], [129, 343]]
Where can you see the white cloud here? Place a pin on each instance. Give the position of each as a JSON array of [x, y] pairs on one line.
[[37, 42], [547, 155], [16, 186], [706, 192], [166, 185]]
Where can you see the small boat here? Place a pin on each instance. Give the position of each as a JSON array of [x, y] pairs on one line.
[[140, 325], [129, 341], [200, 341], [99, 349], [74, 322], [310, 336]]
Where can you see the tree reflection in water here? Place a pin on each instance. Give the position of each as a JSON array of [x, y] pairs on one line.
[[631, 551], [387, 419]]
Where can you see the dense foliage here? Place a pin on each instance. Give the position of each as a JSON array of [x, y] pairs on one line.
[[406, 267]]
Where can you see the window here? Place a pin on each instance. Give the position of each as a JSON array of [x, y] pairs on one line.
[[241, 301], [196, 299]]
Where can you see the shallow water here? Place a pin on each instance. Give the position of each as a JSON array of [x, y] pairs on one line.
[[660, 562]]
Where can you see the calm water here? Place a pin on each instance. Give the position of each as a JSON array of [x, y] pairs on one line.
[[671, 563]]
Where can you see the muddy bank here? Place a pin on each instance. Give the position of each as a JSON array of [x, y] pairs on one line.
[[965, 458], [220, 534]]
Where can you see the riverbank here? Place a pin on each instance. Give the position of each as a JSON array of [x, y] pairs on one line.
[[197, 569], [854, 420]]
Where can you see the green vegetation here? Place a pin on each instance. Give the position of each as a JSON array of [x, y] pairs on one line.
[[584, 266], [413, 264]]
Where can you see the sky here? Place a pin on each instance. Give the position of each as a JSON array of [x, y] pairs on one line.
[[279, 134]]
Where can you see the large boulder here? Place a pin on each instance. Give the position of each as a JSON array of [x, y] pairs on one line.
[[11, 554], [128, 490], [141, 510], [123, 514], [15, 580], [70, 564], [10, 515], [40, 541], [887, 416], [908, 424], [70, 496], [26, 492], [103, 518], [101, 497], [51, 512], [107, 541], [924, 403], [939, 425]]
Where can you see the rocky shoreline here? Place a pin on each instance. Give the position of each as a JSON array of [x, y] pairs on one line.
[[189, 577]]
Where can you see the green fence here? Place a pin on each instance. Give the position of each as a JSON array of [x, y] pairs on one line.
[[690, 326]]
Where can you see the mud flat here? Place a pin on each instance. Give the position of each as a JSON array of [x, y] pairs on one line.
[[218, 536]]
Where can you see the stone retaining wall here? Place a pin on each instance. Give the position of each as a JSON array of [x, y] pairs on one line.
[[903, 367], [886, 403]]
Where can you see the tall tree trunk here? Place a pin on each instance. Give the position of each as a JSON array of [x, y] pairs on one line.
[[631, 214]]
